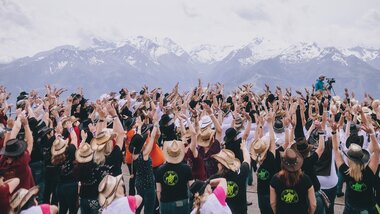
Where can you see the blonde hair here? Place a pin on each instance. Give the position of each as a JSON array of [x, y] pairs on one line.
[[99, 158], [355, 170], [199, 200]]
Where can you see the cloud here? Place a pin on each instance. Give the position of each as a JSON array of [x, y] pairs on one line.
[[252, 14], [189, 11], [11, 15], [371, 18]]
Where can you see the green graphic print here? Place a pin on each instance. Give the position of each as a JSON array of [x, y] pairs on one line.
[[263, 174], [358, 186], [170, 178], [289, 196], [232, 189]]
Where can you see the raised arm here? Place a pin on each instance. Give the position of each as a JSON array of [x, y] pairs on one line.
[[28, 133], [218, 127], [374, 161], [338, 157], [248, 127], [149, 146], [246, 157], [117, 126]]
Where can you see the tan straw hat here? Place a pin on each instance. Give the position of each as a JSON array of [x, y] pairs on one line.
[[19, 198], [99, 142], [174, 151], [259, 148], [107, 189], [84, 153], [227, 158], [59, 146], [205, 137]]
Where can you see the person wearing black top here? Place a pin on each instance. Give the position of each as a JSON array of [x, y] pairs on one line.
[[63, 156], [173, 180], [291, 191], [236, 175], [360, 173], [263, 153], [47, 137]]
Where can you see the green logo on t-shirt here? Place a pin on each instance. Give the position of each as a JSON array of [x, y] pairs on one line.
[[170, 178], [232, 189], [263, 174], [289, 196], [358, 186]]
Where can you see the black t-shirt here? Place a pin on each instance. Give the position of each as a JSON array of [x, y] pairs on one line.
[[237, 189], [114, 160], [66, 169], [265, 173], [174, 181], [308, 169], [291, 199], [90, 175], [359, 193], [46, 151]]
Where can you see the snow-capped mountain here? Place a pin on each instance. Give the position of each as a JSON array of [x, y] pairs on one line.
[[109, 66]]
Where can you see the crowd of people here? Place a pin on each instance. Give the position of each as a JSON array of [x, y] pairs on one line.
[[189, 152]]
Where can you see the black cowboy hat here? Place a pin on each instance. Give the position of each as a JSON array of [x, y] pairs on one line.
[[356, 154], [165, 119], [231, 133], [302, 146], [136, 144], [129, 122], [14, 148], [291, 160]]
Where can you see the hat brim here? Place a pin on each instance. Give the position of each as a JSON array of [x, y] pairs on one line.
[[32, 191], [21, 149], [278, 130], [262, 154], [363, 160], [103, 199], [81, 159], [205, 143], [235, 166], [171, 159]]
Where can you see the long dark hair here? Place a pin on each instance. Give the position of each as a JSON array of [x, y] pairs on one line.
[[290, 178]]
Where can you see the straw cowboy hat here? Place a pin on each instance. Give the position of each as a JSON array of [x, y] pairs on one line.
[[59, 146], [174, 151], [205, 122], [107, 189], [357, 154], [205, 137], [19, 198], [99, 142], [72, 119], [227, 158], [259, 148], [84, 153], [291, 160]]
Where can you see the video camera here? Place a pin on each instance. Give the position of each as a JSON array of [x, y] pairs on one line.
[[330, 80]]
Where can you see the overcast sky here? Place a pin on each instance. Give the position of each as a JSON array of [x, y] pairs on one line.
[[30, 26]]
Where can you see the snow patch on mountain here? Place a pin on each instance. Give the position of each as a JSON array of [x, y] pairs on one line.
[[300, 52], [208, 54], [362, 53], [261, 49]]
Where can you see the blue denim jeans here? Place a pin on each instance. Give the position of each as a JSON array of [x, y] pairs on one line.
[[320, 209], [175, 207], [148, 202], [331, 194], [68, 197], [89, 206], [348, 209], [38, 172], [264, 204]]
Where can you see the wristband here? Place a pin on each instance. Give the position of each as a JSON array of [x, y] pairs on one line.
[[71, 129], [333, 132], [101, 121]]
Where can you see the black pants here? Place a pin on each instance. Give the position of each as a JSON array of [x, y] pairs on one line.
[[68, 197], [132, 190], [51, 179]]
